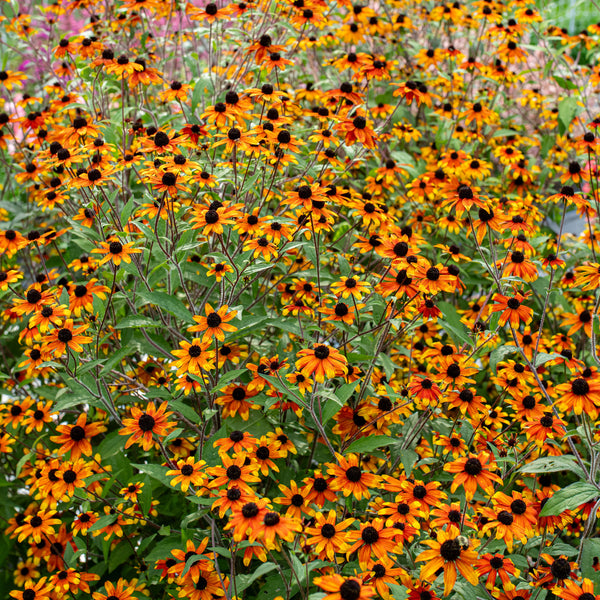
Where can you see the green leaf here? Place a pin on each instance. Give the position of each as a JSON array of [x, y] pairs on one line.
[[104, 521], [542, 358], [505, 133], [499, 354], [408, 459], [118, 556], [116, 357], [156, 472], [183, 409], [245, 581], [552, 465], [570, 498], [565, 84], [567, 109], [191, 561], [227, 377], [366, 444], [136, 321], [167, 302], [146, 495], [399, 592], [345, 391], [330, 407], [453, 325], [590, 550]]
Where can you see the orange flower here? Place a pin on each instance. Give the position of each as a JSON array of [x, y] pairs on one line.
[[75, 438], [343, 588], [68, 336], [214, 324], [37, 525], [143, 425], [473, 471], [40, 590], [193, 357], [328, 537], [321, 361], [188, 472], [358, 129], [512, 309], [373, 538], [447, 553], [350, 478], [114, 250]]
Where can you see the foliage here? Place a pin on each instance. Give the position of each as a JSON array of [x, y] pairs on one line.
[[299, 300]]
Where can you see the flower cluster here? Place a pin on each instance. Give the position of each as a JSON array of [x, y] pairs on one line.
[[298, 300]]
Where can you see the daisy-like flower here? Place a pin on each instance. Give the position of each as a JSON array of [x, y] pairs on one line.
[[555, 573], [321, 361], [588, 276], [577, 591], [132, 491], [219, 270], [433, 279], [238, 441], [350, 478], [193, 357], [121, 591], [210, 585], [83, 522], [328, 538], [246, 523], [67, 336], [512, 309], [350, 286], [39, 590], [343, 588], [37, 416], [581, 395], [497, 565], [144, 424], [116, 251], [214, 324], [275, 526], [76, 438], [358, 129], [447, 553], [188, 472], [236, 399], [234, 473], [373, 538], [37, 525], [262, 247], [472, 471]]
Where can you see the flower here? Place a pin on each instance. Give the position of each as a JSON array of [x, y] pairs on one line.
[[37, 525], [343, 588], [373, 538], [321, 361], [349, 478], [116, 251], [40, 590], [193, 357], [512, 309], [188, 472], [447, 552], [143, 425], [214, 324], [76, 438], [472, 471], [328, 537], [494, 566], [66, 336]]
